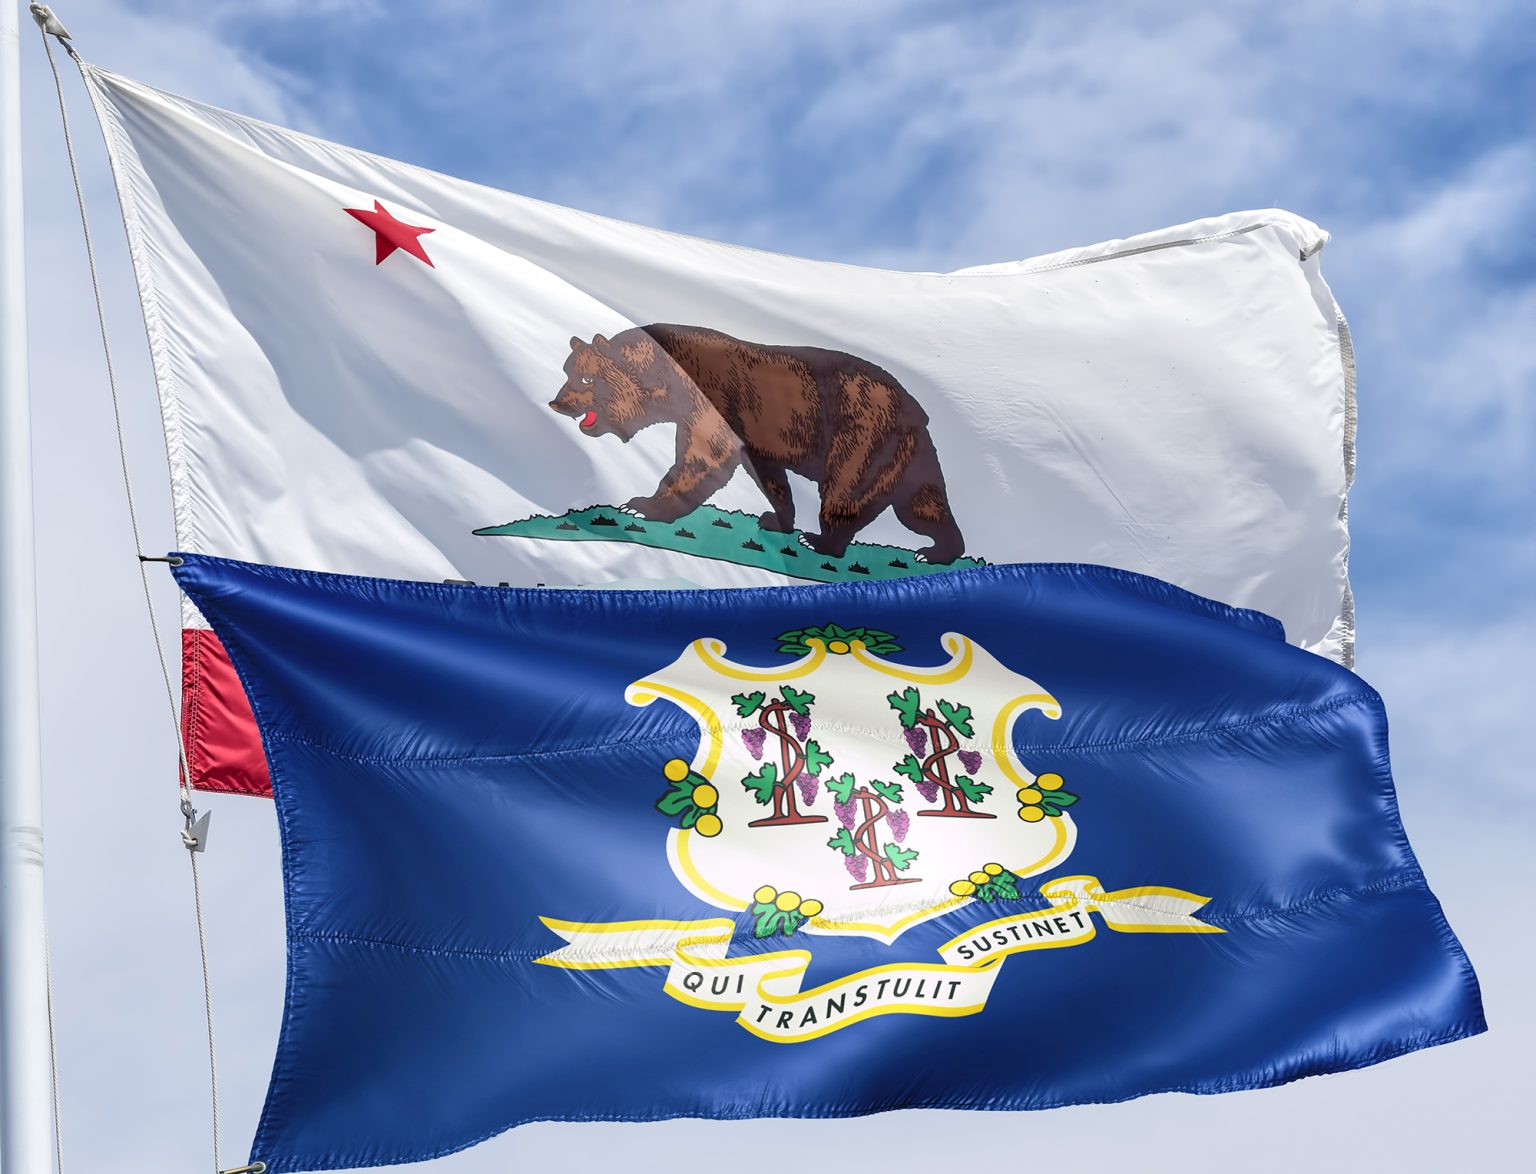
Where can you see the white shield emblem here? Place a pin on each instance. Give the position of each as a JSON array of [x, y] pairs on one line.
[[847, 793]]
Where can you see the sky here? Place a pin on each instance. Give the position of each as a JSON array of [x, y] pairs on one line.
[[913, 135]]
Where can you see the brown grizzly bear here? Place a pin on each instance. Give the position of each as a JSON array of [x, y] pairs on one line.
[[831, 417]]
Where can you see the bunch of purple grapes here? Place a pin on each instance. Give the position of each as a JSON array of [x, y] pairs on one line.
[[857, 866], [897, 821], [754, 739], [809, 785], [971, 760], [917, 738], [844, 813], [802, 724], [928, 790]]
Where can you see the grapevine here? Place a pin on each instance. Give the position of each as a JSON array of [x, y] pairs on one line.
[[859, 839], [790, 777], [934, 736]]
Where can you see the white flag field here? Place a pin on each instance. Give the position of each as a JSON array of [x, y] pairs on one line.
[[371, 368]]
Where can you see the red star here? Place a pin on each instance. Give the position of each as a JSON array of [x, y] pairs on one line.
[[392, 234]]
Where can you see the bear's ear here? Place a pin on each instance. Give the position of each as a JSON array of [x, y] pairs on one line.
[[599, 341], [576, 343]]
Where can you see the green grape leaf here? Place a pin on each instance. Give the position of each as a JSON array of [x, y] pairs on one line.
[[816, 759], [891, 792], [843, 842], [747, 703], [797, 699], [1059, 798], [878, 641], [958, 716], [761, 782], [679, 795], [765, 919], [971, 789], [910, 767], [906, 704], [794, 642], [902, 858], [842, 788]]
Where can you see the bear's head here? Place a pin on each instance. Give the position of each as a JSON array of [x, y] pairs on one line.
[[618, 387]]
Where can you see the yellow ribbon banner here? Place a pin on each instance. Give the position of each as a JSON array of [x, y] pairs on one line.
[[764, 989]]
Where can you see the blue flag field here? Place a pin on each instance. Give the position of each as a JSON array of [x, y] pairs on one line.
[[1011, 837]]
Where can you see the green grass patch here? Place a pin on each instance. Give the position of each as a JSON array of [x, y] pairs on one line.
[[729, 536]]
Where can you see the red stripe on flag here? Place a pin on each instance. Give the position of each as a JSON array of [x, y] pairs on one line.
[[223, 746]]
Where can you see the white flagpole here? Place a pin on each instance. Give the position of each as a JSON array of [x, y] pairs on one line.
[[26, 1101]]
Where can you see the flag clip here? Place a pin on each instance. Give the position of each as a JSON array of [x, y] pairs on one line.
[[195, 837], [50, 24], [252, 1168], [170, 559]]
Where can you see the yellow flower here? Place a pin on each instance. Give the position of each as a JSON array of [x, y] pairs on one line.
[[765, 895], [1049, 782], [962, 888], [704, 795], [708, 825], [978, 878], [810, 908], [676, 770], [788, 901], [1031, 814], [1029, 795]]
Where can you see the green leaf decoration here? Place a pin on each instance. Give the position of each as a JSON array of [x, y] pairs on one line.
[[747, 703], [910, 767], [958, 716], [816, 759], [768, 919], [692, 816], [797, 699], [880, 642], [842, 788], [1059, 798], [907, 703], [901, 857], [761, 782], [890, 792], [843, 842], [975, 791], [1002, 887], [678, 797], [797, 642]]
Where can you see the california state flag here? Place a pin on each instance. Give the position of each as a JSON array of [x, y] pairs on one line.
[[370, 368]]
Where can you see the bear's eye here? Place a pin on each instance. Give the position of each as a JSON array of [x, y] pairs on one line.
[[588, 380]]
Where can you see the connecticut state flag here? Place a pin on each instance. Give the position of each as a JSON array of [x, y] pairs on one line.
[[1007, 837]]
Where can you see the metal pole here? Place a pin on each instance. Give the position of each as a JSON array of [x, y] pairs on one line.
[[26, 1101]]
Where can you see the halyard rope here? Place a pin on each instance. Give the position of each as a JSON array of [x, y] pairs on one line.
[[53, 1056], [189, 815]]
